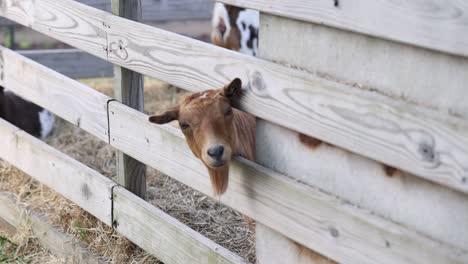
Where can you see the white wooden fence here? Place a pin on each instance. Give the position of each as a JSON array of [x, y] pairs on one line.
[[338, 200]]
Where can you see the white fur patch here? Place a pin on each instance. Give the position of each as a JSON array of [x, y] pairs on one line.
[[47, 121], [220, 12], [203, 96], [249, 18]]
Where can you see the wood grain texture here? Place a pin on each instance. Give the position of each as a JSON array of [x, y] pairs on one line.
[[420, 76], [306, 215], [274, 248], [156, 11], [430, 209], [164, 236], [75, 181], [61, 245], [390, 131], [294, 210], [56, 93], [399, 134], [73, 23], [72, 63], [128, 89], [434, 24]]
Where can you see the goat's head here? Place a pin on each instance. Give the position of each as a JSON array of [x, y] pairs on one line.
[[206, 119]]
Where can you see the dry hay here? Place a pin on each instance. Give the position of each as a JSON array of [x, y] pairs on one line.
[[203, 214], [22, 247]]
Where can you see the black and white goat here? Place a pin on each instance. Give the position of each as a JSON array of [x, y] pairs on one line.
[[26, 115], [235, 28]]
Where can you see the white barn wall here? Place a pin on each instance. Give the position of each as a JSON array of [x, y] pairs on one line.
[[428, 208], [426, 77]]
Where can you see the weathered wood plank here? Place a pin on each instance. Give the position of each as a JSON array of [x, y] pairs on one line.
[[399, 134], [274, 248], [420, 76], [72, 63], [430, 209], [163, 236], [393, 132], [339, 229], [55, 92], [156, 11], [6, 228], [294, 210], [58, 243], [75, 181], [439, 25], [73, 23], [128, 89]]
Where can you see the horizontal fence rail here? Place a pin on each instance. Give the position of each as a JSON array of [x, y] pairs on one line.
[[16, 217], [411, 138], [439, 25], [94, 193], [73, 180], [156, 11], [313, 218]]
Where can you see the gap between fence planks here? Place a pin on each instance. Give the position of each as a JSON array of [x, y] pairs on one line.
[[408, 137], [58, 243], [439, 25], [299, 212], [92, 192], [72, 63], [89, 113]]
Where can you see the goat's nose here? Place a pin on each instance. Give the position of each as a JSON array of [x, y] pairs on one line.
[[216, 151]]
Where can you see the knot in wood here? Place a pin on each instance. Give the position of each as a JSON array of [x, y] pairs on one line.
[[85, 191], [119, 49], [333, 232], [257, 84], [427, 152]]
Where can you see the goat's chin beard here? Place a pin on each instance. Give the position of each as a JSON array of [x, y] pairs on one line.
[[219, 179]]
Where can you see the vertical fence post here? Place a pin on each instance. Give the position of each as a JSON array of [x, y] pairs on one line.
[[128, 89]]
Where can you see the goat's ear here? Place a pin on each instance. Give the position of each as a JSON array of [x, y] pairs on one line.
[[233, 89], [166, 117]]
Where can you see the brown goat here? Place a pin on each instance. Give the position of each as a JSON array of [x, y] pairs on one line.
[[214, 130]]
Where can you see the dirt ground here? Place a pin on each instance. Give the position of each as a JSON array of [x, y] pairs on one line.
[[217, 222]]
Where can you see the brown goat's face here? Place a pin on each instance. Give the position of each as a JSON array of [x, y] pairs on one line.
[[206, 119]]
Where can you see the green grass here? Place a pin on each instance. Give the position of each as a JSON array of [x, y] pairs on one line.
[[7, 251]]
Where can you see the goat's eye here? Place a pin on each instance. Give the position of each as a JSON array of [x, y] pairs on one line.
[[184, 125], [228, 110]]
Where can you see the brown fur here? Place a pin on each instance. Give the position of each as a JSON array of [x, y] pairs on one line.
[[232, 41], [308, 256], [389, 171], [309, 141], [207, 119]]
